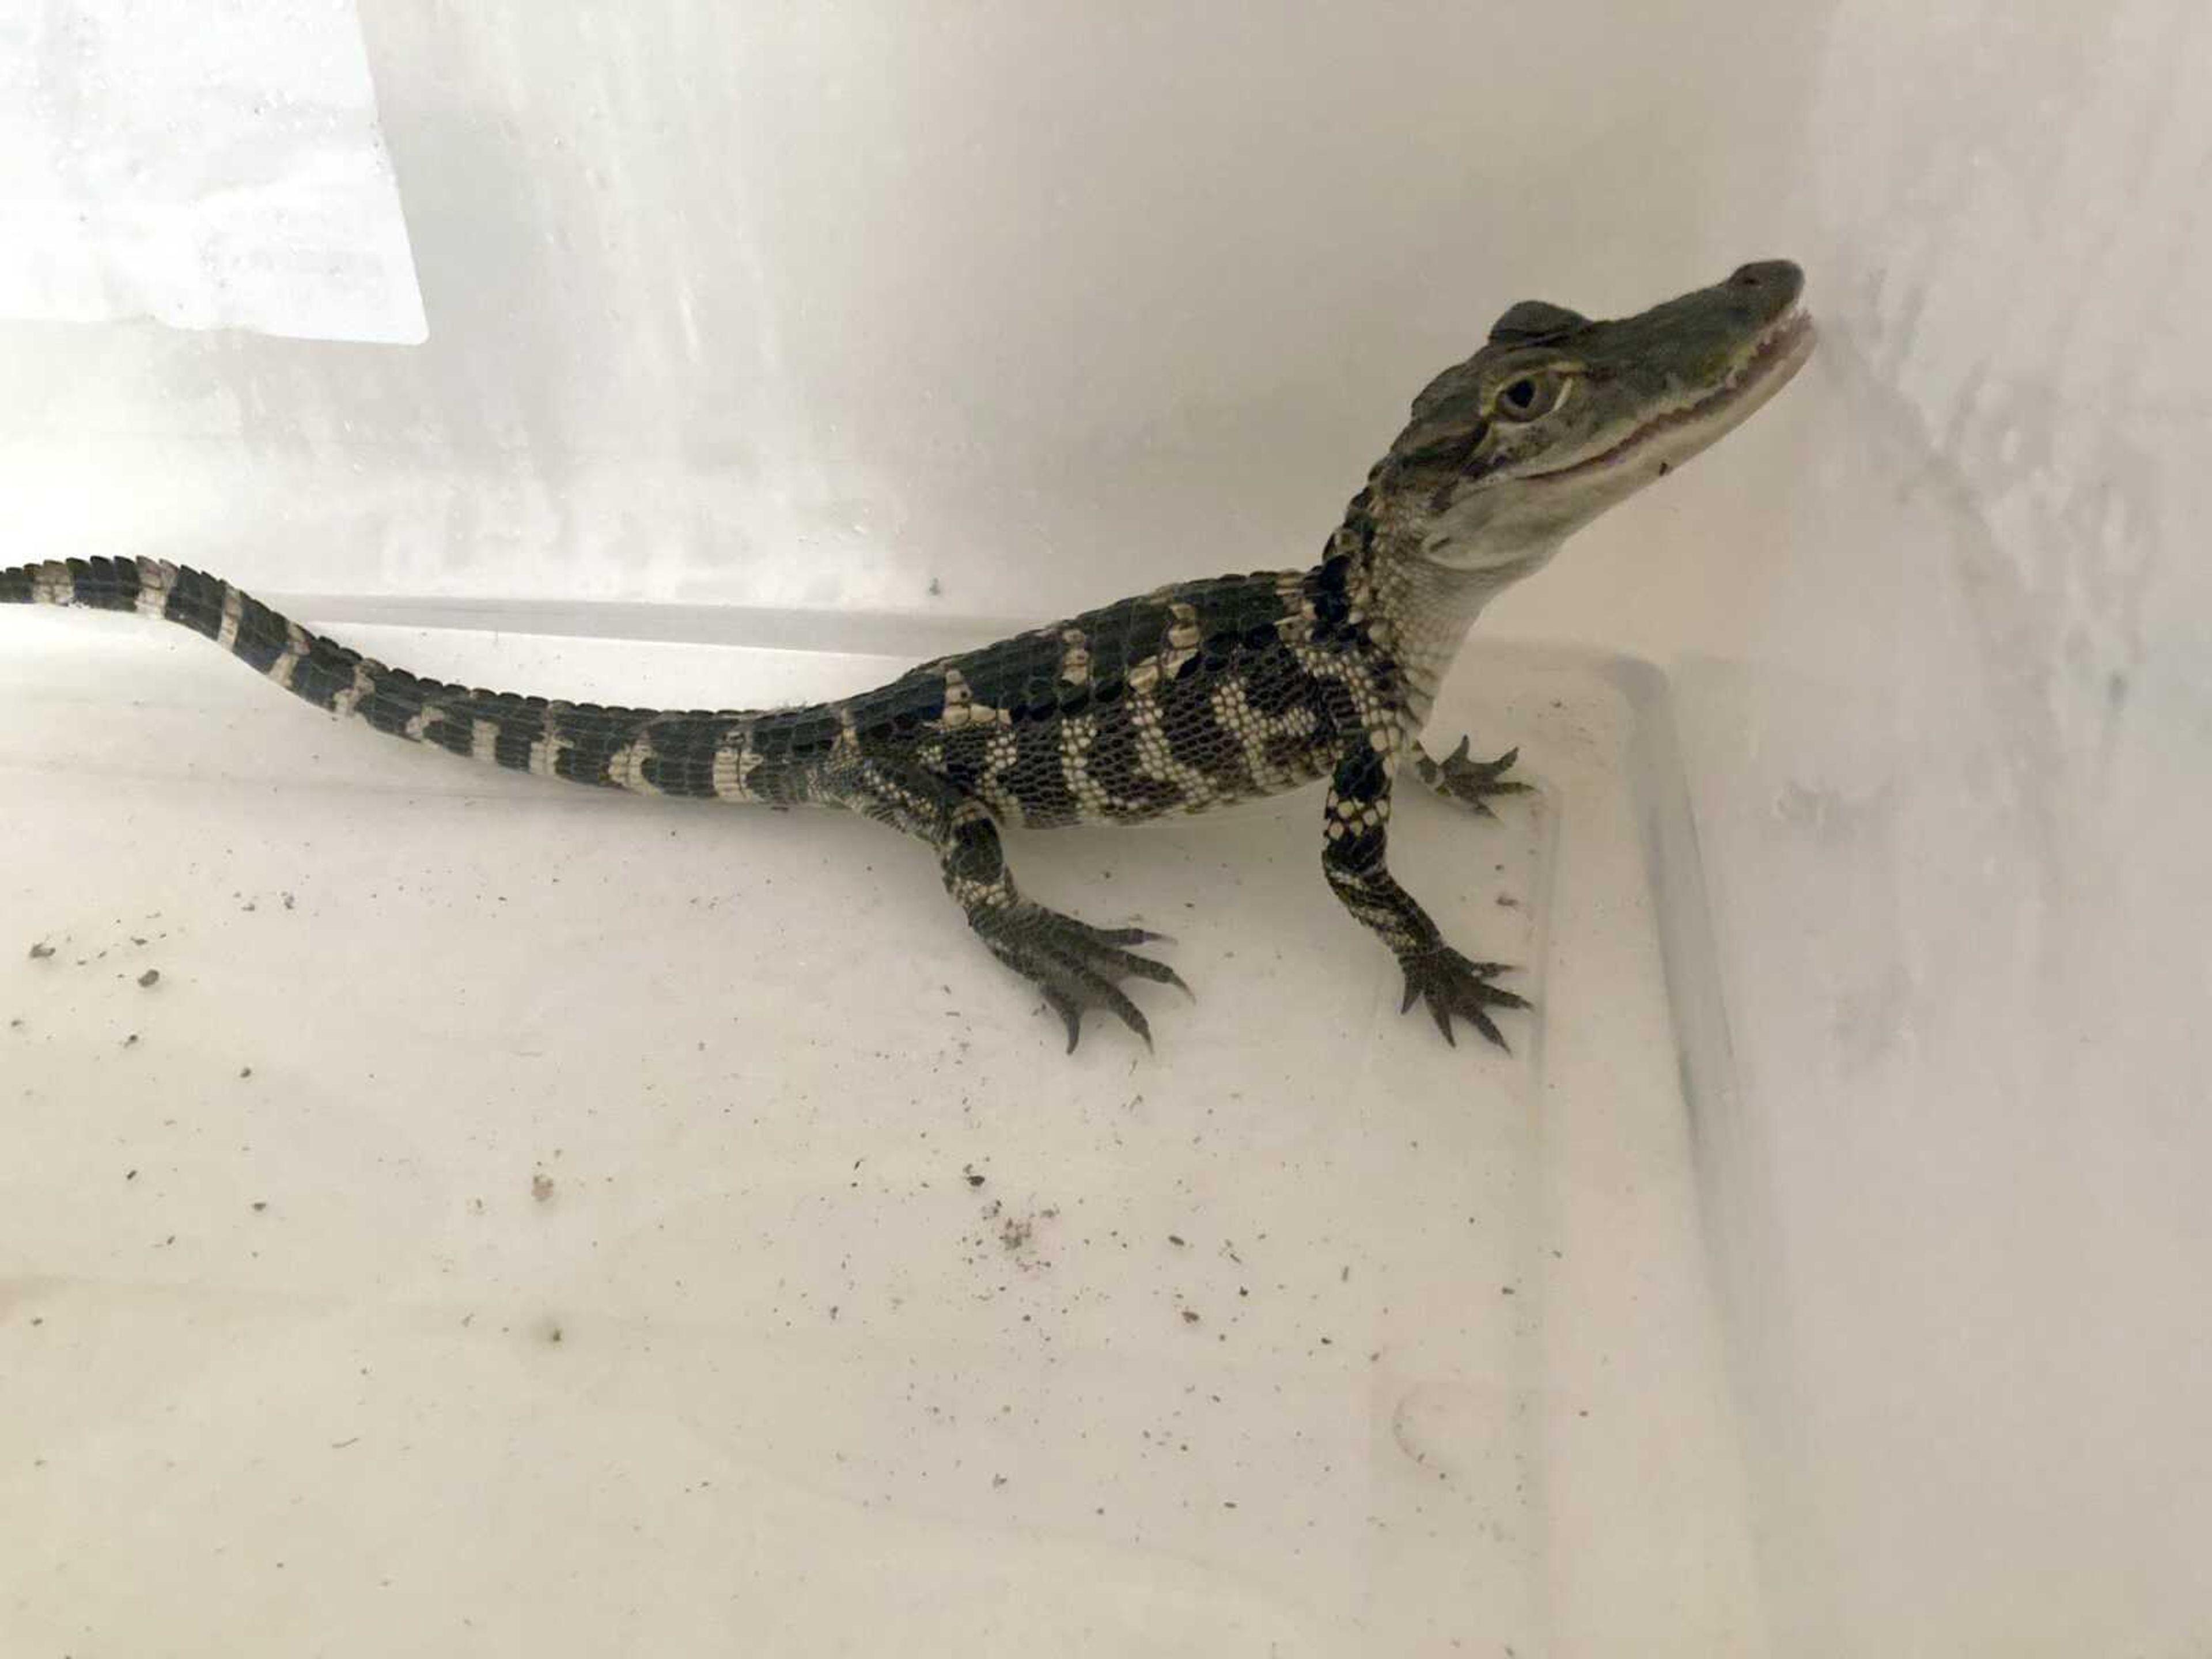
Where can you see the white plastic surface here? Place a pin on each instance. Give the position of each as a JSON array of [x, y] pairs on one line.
[[507, 1197], [208, 167]]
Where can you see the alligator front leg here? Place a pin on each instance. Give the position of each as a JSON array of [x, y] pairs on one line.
[[1356, 837], [1076, 966], [1468, 783]]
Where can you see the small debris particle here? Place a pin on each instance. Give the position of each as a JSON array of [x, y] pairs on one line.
[[41, 951], [246, 1070], [131, 1042], [1190, 1315], [997, 1481], [151, 977], [340, 1445], [259, 1204], [936, 588], [1176, 1240], [973, 1179], [541, 1188], [130, 1175], [553, 1335], [135, 939], [289, 900], [1505, 1290]]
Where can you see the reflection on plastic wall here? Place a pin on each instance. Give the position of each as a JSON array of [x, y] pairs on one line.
[[207, 167]]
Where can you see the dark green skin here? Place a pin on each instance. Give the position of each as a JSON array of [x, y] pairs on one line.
[[1204, 693]]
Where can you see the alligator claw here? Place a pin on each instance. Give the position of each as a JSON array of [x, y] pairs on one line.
[[1470, 783], [1450, 985], [1076, 966]]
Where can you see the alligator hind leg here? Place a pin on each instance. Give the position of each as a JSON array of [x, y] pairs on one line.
[[1076, 966]]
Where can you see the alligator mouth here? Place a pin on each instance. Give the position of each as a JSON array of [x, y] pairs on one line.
[[1779, 352]]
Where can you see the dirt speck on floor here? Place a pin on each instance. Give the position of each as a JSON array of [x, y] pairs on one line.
[[41, 951], [541, 1186], [150, 978]]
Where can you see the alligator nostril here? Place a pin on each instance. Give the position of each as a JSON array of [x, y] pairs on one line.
[[1768, 275]]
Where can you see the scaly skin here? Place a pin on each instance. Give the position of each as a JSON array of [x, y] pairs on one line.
[[1201, 693]]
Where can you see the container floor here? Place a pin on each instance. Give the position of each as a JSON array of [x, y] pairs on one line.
[[436, 1200]]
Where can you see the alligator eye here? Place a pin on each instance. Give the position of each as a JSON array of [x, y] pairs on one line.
[[1526, 398]]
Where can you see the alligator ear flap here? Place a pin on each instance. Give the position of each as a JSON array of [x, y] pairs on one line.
[[1531, 322]]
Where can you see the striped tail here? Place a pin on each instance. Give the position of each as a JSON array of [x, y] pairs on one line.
[[726, 755]]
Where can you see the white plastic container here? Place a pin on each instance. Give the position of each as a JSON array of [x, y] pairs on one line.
[[512, 1219]]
